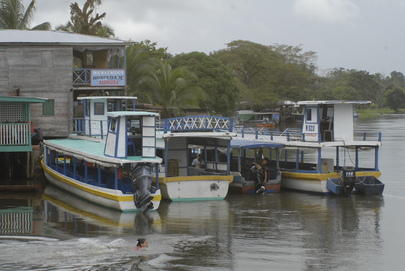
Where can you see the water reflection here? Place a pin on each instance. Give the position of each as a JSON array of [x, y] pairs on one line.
[[77, 216]]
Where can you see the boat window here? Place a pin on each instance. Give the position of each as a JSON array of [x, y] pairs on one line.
[[98, 108], [86, 108], [309, 114], [113, 125]]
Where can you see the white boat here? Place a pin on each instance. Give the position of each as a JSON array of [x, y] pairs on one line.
[[183, 139], [115, 172], [326, 148]]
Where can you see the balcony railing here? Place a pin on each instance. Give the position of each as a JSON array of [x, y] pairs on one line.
[[99, 78], [17, 134]]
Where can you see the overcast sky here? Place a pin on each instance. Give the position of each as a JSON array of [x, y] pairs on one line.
[[360, 34]]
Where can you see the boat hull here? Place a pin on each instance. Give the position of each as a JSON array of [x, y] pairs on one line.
[[106, 197], [369, 186], [195, 188], [240, 186], [315, 182]]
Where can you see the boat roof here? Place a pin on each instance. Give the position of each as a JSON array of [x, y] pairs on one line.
[[108, 97], [254, 144], [257, 113], [44, 37], [219, 134], [93, 151], [117, 114], [331, 102], [22, 99]]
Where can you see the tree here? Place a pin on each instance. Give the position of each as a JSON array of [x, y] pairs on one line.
[[214, 78], [142, 59], [172, 89], [353, 85], [83, 21], [13, 16], [269, 74], [395, 98]]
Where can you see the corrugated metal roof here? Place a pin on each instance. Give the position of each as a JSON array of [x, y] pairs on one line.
[[13, 36]]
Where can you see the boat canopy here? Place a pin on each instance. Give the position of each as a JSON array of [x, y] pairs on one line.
[[107, 98], [331, 102], [117, 114], [252, 144]]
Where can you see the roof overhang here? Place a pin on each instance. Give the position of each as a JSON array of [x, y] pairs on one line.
[[22, 99], [332, 102]]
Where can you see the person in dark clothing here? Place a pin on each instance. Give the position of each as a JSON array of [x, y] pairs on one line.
[[142, 243], [260, 173]]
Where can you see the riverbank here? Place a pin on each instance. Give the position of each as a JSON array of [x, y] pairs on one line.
[[371, 113]]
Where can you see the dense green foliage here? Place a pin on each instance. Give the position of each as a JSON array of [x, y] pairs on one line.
[[13, 15], [255, 76], [221, 88]]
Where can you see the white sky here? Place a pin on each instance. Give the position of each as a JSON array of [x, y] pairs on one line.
[[360, 34]]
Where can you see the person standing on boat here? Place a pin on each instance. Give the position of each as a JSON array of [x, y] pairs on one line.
[[198, 162], [260, 173]]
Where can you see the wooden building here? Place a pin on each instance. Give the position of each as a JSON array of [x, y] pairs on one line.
[[59, 66]]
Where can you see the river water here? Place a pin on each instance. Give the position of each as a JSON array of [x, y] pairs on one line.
[[283, 231]]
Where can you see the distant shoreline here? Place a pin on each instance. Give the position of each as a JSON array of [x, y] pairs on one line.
[[371, 113]]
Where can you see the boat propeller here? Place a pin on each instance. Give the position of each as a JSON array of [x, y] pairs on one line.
[[141, 176]]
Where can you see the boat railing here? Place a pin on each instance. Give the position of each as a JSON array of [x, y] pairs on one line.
[[289, 134], [17, 134], [93, 128], [368, 136], [198, 123]]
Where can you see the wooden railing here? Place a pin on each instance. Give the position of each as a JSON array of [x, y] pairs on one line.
[[15, 134]]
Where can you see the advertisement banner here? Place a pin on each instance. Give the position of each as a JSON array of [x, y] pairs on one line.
[[108, 78]]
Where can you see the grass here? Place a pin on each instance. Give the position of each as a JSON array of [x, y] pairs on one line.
[[375, 112]]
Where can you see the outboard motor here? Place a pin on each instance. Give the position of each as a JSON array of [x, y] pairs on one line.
[[349, 178], [141, 176]]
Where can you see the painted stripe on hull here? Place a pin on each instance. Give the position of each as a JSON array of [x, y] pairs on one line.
[[115, 199]]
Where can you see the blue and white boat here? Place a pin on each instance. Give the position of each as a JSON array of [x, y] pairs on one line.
[[116, 171], [325, 155]]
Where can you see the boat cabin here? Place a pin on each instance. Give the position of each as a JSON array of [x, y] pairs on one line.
[[91, 113], [328, 120], [131, 133], [191, 138]]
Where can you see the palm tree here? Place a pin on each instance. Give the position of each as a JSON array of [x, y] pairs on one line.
[[171, 89], [13, 16], [82, 20]]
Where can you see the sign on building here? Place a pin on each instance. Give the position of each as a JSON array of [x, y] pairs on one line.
[[107, 78]]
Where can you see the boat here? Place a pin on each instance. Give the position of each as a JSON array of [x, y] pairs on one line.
[[117, 171], [369, 186], [247, 152], [326, 148], [258, 119], [182, 141]]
